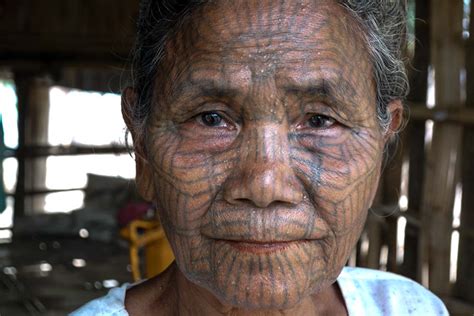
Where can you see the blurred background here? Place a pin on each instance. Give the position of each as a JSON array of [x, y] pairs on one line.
[[72, 225]]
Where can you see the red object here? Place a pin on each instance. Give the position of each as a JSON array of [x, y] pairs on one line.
[[132, 211]]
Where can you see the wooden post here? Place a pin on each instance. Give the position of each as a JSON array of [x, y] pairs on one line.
[[392, 184], [374, 229], [33, 110], [21, 84], [37, 134], [442, 161], [465, 279], [415, 141]]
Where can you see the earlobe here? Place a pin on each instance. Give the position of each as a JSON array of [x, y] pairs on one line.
[[395, 108], [143, 176]]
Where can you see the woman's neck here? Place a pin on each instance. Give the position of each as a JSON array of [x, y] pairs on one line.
[[171, 293], [196, 300]]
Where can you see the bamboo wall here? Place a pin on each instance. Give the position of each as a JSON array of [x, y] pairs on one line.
[[435, 168]]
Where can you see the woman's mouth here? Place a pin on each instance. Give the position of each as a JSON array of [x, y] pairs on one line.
[[258, 247]]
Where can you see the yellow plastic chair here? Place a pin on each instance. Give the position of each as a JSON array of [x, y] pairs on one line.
[[150, 235]]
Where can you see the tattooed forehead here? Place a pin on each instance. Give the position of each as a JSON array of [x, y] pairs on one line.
[[267, 38], [235, 44]]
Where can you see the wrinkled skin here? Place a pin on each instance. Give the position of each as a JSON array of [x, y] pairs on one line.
[[263, 154]]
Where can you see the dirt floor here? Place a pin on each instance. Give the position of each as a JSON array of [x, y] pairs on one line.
[[54, 276]]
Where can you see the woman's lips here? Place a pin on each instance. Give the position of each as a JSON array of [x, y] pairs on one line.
[[257, 247]]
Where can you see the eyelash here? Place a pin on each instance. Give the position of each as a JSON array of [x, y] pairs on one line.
[[213, 119], [328, 122]]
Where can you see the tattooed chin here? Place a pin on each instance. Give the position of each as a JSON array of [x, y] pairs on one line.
[[270, 259], [260, 275]]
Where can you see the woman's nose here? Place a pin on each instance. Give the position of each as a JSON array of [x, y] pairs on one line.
[[264, 175]]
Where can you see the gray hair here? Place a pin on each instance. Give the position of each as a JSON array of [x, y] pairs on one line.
[[383, 22]]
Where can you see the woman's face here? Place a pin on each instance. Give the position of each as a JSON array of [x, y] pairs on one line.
[[263, 148]]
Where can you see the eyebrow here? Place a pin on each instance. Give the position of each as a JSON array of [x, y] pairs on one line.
[[323, 89], [311, 88], [207, 88], [332, 92]]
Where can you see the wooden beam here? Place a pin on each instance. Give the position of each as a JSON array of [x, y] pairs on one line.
[[73, 29], [454, 114], [442, 160], [44, 151], [48, 191]]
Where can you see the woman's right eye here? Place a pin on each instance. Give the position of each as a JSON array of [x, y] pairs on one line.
[[321, 121], [211, 119]]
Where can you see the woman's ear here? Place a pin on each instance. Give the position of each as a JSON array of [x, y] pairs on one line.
[[395, 108], [129, 99], [144, 176]]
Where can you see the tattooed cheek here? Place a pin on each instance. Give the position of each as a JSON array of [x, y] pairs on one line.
[[317, 143]]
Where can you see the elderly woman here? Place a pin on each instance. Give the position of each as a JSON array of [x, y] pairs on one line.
[[259, 130]]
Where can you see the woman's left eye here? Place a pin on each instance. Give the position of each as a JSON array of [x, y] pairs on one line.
[[320, 121], [211, 119]]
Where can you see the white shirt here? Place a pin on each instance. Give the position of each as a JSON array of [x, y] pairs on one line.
[[372, 292], [365, 292]]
